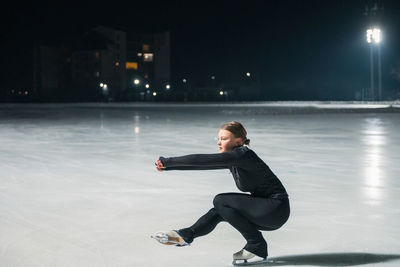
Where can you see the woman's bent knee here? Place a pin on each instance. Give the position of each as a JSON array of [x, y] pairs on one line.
[[219, 200]]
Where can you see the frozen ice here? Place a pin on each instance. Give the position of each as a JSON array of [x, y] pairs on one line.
[[78, 185]]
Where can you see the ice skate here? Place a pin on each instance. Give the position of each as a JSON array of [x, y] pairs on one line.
[[245, 258], [170, 238]]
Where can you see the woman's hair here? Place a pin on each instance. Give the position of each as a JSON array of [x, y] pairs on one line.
[[237, 129]]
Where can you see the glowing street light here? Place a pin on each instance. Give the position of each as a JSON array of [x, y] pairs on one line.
[[248, 74], [221, 92], [104, 88], [103, 85], [147, 85], [136, 81], [374, 35], [168, 86]]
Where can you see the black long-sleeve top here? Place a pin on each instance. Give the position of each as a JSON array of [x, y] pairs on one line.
[[250, 173]]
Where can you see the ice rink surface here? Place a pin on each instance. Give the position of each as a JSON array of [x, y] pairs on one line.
[[78, 185]]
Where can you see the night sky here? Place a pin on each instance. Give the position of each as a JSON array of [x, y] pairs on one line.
[[300, 47]]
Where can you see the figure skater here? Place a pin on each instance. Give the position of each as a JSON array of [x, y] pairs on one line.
[[265, 208]]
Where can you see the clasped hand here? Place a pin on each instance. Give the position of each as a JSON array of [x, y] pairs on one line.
[[159, 165]]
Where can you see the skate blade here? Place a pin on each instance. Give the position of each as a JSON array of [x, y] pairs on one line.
[[168, 240], [249, 263]]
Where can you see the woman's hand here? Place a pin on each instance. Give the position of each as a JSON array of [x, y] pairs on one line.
[[159, 165]]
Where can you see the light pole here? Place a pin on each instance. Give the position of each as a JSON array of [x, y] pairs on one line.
[[374, 37], [372, 92], [379, 73]]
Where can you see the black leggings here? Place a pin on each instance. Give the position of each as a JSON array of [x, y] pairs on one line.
[[247, 214]]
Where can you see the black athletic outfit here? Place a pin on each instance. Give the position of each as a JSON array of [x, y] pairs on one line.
[[265, 208]]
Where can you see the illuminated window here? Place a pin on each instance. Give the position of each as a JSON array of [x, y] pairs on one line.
[[148, 57], [131, 65], [146, 47]]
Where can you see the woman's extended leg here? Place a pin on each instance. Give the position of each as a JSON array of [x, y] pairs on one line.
[[203, 226]]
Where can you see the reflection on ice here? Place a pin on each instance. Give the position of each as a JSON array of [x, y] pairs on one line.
[[373, 140], [136, 119]]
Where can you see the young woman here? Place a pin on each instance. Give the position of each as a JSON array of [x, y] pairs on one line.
[[265, 208]]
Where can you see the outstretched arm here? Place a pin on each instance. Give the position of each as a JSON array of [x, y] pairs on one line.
[[201, 161], [192, 168], [160, 167]]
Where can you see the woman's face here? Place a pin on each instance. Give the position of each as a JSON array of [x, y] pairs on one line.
[[227, 141]]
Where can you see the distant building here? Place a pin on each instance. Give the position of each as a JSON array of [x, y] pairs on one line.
[[98, 64], [46, 72], [103, 64], [90, 68], [148, 66]]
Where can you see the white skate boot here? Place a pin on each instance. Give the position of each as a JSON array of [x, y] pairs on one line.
[[245, 258], [170, 238]]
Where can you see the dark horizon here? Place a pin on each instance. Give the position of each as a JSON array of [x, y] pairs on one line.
[[310, 49]]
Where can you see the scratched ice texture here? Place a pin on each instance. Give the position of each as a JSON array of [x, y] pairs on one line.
[[78, 185]]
